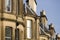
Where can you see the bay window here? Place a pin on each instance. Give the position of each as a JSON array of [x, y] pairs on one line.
[[29, 28]]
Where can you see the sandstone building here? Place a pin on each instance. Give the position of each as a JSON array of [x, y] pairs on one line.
[[19, 21]]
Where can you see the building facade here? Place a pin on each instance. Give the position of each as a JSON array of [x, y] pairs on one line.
[[19, 21]]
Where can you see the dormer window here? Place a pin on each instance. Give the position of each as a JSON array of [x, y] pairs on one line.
[[42, 25], [8, 5]]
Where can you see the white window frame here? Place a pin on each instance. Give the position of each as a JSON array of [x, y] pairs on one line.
[[6, 4], [29, 29]]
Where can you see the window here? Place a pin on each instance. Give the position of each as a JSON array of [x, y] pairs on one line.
[[42, 25], [8, 5], [17, 34], [41, 31], [8, 33], [29, 29]]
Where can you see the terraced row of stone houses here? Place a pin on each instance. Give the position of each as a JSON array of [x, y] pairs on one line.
[[19, 21]]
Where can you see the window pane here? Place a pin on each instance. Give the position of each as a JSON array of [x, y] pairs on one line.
[[28, 32], [29, 23], [42, 25], [8, 33], [8, 5], [17, 34]]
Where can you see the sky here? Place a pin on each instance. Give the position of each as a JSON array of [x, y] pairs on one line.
[[52, 8]]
